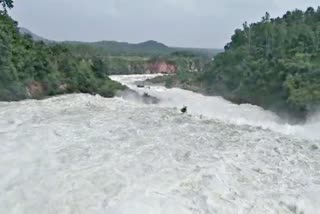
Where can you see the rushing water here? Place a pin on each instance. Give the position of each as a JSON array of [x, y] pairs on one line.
[[86, 154]]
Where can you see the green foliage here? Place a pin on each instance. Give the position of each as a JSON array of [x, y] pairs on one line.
[[109, 88], [35, 70], [107, 48], [204, 52], [125, 64], [125, 58], [273, 63], [183, 53], [146, 49], [6, 4], [184, 76], [169, 83], [182, 79]]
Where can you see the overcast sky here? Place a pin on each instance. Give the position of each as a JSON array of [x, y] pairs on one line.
[[185, 23]]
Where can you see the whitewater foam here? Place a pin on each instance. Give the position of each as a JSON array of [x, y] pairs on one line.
[[86, 154], [218, 108]]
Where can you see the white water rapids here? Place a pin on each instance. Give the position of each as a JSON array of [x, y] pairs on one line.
[[83, 154]]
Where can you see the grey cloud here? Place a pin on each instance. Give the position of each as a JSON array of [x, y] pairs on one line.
[[192, 23]]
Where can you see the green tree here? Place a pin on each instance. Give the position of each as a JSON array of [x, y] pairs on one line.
[[35, 70], [273, 63], [6, 4]]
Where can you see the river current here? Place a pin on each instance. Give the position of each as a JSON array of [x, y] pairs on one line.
[[86, 154]]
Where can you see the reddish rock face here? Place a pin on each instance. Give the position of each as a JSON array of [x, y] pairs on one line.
[[35, 89], [162, 67]]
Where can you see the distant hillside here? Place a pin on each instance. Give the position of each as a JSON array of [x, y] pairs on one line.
[[34, 36], [106, 48], [202, 51], [30, 69], [124, 48], [150, 48], [274, 63], [151, 44]]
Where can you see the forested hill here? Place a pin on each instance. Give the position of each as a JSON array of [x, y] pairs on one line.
[[148, 48], [35, 37], [115, 48], [30, 69], [123, 48], [274, 63]]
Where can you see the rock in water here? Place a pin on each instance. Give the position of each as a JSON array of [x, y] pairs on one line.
[[184, 109]]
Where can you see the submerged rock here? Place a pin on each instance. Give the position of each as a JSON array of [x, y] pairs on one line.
[[140, 85], [314, 147]]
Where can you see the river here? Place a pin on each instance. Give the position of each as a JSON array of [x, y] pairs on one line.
[[86, 154]]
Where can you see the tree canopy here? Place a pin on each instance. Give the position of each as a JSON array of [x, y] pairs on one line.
[[30, 69], [274, 63], [6, 4]]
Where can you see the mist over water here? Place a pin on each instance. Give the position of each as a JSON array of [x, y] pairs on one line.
[[86, 154]]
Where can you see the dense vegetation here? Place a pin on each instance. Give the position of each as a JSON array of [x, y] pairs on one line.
[[127, 58], [114, 48], [105, 48], [274, 63], [6, 4], [136, 64], [30, 69], [148, 48], [182, 79]]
